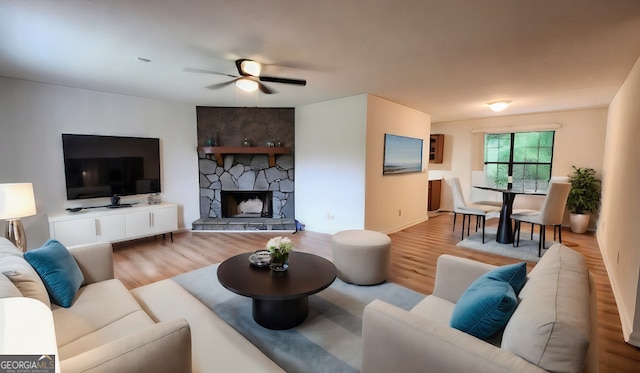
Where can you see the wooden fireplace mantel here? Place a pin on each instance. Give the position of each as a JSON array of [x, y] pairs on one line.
[[220, 151]]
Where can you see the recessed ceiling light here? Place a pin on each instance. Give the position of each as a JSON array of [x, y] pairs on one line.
[[142, 59], [498, 105]]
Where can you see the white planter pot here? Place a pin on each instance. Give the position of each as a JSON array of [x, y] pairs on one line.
[[579, 222]]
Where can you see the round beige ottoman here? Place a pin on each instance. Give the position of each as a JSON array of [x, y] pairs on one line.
[[361, 256]]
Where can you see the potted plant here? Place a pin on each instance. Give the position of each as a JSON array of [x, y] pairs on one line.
[[584, 197]]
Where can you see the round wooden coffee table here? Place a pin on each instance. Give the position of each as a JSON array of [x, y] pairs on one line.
[[280, 299]]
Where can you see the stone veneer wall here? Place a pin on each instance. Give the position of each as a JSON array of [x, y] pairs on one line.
[[245, 172]]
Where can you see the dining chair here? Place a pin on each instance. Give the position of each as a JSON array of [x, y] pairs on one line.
[[551, 213], [468, 210]]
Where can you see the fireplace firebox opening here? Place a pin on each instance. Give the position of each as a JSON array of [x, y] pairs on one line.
[[247, 204]]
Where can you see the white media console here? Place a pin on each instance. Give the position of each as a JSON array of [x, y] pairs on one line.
[[113, 224]]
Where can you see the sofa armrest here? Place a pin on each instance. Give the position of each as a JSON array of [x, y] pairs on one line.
[[454, 275], [395, 340], [95, 261], [165, 347]]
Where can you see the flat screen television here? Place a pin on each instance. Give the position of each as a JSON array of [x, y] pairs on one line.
[[401, 154], [103, 166]]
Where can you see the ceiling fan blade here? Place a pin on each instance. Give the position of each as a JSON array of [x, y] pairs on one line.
[[283, 80], [195, 70], [264, 89], [221, 85]]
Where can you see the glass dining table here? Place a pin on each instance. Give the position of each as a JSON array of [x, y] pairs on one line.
[[505, 228]]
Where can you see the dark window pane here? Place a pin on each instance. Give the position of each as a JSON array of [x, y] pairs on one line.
[[518, 171], [519, 154], [544, 172], [545, 155], [502, 174], [531, 155], [546, 138], [492, 140], [533, 139], [492, 155], [520, 140], [503, 155]]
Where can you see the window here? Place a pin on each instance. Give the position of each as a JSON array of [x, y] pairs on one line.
[[526, 156]]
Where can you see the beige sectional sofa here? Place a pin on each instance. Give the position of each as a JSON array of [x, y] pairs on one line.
[[553, 328], [155, 328]]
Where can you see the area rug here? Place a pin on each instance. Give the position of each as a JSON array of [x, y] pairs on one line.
[[329, 340], [528, 249]]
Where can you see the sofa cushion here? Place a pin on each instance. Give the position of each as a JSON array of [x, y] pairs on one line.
[[551, 326], [7, 248], [435, 308], [105, 304], [7, 288], [484, 308], [59, 271], [216, 346], [21, 274]]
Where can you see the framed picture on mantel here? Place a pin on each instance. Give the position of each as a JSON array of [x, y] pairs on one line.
[[401, 154]]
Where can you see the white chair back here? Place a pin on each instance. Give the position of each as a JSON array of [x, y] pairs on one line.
[[456, 190], [552, 210]]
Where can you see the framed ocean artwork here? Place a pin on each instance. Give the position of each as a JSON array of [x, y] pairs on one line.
[[401, 154]]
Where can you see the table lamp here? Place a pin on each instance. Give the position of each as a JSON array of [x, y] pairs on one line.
[[16, 201]]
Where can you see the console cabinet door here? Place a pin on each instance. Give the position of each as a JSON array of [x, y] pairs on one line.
[[75, 232], [110, 228], [138, 224], [146, 223], [81, 231], [165, 220]]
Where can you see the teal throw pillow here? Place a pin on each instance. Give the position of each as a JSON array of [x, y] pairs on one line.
[[514, 274], [58, 270], [484, 308]]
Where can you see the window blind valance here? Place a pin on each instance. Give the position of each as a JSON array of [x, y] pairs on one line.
[[524, 128]]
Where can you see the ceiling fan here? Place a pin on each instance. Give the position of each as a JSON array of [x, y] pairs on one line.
[[249, 78]]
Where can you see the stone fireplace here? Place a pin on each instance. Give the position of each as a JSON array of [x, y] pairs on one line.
[[246, 188]]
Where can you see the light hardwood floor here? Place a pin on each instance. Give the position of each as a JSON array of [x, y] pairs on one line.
[[414, 254]]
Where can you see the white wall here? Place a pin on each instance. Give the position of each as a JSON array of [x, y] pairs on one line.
[[394, 202], [330, 160], [339, 155], [618, 234], [33, 116], [580, 142]]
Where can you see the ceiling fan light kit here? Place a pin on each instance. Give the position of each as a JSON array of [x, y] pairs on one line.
[[250, 67], [498, 105], [247, 85]]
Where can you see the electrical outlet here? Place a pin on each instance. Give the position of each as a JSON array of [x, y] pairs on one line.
[[399, 212]]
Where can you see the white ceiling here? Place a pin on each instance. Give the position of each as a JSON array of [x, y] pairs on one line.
[[443, 57]]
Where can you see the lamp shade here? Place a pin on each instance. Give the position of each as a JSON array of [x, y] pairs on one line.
[[16, 200]]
